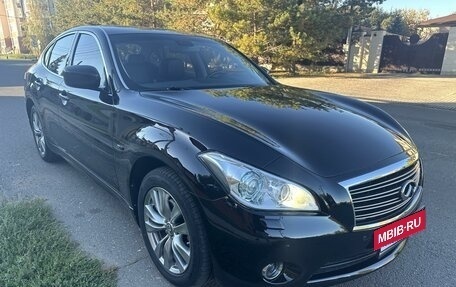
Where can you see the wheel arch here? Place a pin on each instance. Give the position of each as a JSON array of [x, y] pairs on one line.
[[140, 168], [190, 174], [29, 104], [157, 145]]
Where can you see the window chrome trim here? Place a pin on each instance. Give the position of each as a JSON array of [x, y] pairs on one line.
[[390, 169], [72, 51], [75, 46], [75, 33], [114, 61]]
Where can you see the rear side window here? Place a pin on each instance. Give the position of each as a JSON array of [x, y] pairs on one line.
[[46, 56], [88, 53], [59, 54]]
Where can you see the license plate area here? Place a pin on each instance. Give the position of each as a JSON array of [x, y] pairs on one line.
[[387, 236], [389, 247]]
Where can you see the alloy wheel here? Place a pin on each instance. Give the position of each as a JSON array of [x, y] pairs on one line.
[[38, 134], [167, 230]]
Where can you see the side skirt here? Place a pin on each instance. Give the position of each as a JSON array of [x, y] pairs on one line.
[[78, 165]]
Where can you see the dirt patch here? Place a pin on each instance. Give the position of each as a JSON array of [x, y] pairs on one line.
[[435, 91]]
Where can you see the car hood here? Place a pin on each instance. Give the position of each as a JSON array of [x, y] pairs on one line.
[[319, 133]]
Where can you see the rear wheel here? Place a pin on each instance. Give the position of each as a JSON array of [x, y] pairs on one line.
[[40, 138], [172, 228]]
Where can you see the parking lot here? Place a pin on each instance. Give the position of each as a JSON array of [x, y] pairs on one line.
[[103, 227]]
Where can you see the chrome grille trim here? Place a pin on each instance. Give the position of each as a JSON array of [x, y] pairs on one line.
[[385, 183], [378, 205], [374, 196], [380, 172], [383, 212], [369, 205]]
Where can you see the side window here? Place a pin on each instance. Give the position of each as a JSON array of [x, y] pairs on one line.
[[46, 56], [88, 53], [59, 54]]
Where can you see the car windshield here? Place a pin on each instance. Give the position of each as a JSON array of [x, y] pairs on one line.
[[151, 61]]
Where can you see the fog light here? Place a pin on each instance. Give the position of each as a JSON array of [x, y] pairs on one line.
[[272, 271]]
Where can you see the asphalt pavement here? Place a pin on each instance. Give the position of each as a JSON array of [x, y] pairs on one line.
[[103, 227]]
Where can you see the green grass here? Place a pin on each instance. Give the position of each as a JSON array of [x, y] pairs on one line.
[[35, 251], [18, 56]]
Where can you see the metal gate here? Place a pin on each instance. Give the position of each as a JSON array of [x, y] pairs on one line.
[[426, 57]]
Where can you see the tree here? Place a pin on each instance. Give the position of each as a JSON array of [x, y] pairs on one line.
[[71, 13], [396, 24], [375, 19], [326, 25], [403, 21], [414, 17], [281, 32], [357, 10], [262, 29], [185, 15], [39, 29], [150, 10]]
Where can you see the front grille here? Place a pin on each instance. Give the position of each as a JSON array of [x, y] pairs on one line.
[[380, 199]]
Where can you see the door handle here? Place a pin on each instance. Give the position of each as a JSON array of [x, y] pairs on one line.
[[38, 83], [63, 97], [120, 147]]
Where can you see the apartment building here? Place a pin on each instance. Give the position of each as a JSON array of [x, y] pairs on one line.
[[13, 15]]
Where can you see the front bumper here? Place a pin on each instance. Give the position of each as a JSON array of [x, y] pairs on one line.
[[376, 263], [316, 250]]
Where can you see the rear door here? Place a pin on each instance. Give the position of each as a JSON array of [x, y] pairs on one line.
[[87, 119], [47, 80]]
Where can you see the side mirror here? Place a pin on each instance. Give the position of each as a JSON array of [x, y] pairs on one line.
[[81, 76]]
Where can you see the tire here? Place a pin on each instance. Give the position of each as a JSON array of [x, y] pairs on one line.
[[176, 225], [40, 138]]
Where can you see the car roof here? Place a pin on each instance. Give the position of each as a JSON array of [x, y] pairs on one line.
[[112, 30]]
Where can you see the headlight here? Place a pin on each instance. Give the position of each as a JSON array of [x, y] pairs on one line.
[[258, 189]]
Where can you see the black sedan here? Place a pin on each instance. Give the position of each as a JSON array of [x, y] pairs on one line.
[[226, 171]]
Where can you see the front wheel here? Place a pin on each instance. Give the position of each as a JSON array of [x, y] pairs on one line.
[[172, 227]]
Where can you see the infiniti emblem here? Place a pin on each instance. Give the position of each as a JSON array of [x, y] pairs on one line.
[[408, 189]]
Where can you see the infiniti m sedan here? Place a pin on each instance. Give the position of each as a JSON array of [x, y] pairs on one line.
[[228, 173]]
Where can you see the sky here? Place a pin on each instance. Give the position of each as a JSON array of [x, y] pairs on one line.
[[438, 8]]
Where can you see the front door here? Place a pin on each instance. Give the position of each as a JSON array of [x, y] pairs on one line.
[[87, 120]]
